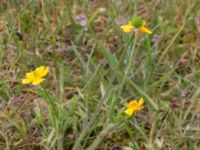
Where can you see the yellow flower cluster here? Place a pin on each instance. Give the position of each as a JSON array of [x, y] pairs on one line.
[[37, 76], [134, 106], [135, 26]]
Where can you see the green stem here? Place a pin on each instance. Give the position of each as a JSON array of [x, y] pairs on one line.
[[130, 44], [131, 55], [60, 142], [129, 65], [101, 136], [90, 123], [85, 131], [108, 128], [53, 110]]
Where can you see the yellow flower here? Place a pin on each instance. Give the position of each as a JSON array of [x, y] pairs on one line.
[[134, 106], [136, 25], [145, 29], [36, 77], [127, 28]]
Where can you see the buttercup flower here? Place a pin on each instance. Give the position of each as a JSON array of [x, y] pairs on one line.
[[37, 76], [127, 28], [134, 106], [145, 29], [137, 24]]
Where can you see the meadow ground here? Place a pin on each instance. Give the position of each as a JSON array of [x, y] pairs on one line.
[[95, 69]]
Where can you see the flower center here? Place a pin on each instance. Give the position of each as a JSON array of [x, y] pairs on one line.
[[137, 22]]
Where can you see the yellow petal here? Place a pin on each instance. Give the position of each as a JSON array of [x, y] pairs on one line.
[[129, 111], [141, 101], [41, 71], [25, 81], [29, 75], [29, 78], [38, 70], [132, 103], [137, 108], [37, 81], [44, 72], [127, 28], [146, 30]]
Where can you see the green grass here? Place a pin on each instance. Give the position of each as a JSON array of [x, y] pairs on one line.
[[95, 69]]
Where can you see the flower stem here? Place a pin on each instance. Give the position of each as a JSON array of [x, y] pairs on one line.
[[129, 65], [90, 123], [101, 136], [131, 55], [108, 128]]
